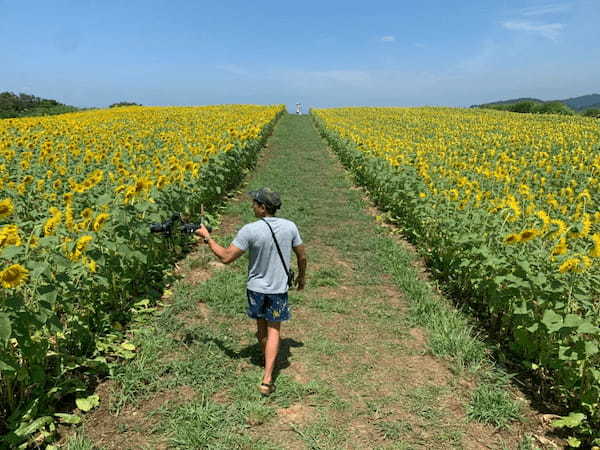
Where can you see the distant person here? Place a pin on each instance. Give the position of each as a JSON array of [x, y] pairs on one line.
[[298, 108], [270, 242]]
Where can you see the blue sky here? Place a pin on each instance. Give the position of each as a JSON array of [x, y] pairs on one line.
[[322, 53]]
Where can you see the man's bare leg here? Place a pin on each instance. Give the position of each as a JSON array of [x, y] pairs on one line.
[[261, 334], [271, 350]]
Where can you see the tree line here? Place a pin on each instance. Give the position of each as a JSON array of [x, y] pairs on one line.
[[534, 107], [26, 105], [23, 105]]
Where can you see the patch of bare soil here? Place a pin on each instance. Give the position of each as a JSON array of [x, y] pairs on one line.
[[334, 292], [299, 372], [221, 397], [419, 338], [196, 316], [197, 276], [296, 414], [230, 224], [284, 430], [364, 434], [131, 428]]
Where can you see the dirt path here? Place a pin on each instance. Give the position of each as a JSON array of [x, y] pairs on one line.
[[354, 370]]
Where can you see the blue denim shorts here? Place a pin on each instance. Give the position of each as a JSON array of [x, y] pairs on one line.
[[271, 307]]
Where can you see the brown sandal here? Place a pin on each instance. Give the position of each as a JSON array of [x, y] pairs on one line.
[[266, 388]]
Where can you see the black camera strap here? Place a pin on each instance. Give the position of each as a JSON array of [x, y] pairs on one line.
[[278, 249]]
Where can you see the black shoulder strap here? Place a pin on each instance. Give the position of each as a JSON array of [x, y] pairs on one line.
[[278, 249]]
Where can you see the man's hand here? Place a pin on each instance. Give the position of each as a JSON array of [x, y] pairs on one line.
[[300, 283], [301, 256], [203, 232]]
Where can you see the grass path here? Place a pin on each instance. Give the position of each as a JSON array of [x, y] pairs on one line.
[[372, 358]]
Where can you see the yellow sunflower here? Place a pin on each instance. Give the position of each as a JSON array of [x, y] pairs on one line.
[[527, 235], [570, 265], [6, 208], [9, 235], [512, 238], [561, 248], [595, 252], [13, 276], [99, 221]]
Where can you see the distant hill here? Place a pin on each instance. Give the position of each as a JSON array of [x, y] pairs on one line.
[[24, 105], [583, 102], [580, 103], [512, 101]]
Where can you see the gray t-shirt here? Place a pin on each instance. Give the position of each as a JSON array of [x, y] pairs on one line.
[[265, 270]]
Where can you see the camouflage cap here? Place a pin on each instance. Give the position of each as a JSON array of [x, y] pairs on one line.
[[267, 197]]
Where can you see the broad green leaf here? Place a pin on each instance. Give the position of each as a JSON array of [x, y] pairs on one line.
[[68, 418], [48, 292], [552, 321], [6, 367], [39, 268], [49, 241], [566, 353], [145, 302], [572, 321], [5, 329], [62, 262], [102, 280], [104, 198], [32, 427], [574, 442], [12, 252], [524, 266], [521, 309], [139, 256], [126, 354], [128, 346], [516, 282], [591, 348], [533, 328], [588, 328], [571, 421], [88, 403], [539, 279]]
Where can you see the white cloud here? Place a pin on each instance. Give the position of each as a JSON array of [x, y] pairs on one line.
[[388, 39], [547, 30], [546, 9]]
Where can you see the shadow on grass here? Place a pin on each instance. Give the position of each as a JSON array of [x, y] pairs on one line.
[[254, 353]]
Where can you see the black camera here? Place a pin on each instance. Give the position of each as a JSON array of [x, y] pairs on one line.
[[168, 225]]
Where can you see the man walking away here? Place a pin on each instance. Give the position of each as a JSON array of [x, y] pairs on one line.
[[270, 242]]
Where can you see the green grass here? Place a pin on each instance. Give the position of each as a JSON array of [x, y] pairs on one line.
[[329, 305], [79, 442], [491, 403], [327, 276]]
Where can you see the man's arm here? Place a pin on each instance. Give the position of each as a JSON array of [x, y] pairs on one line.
[[301, 257], [226, 255]]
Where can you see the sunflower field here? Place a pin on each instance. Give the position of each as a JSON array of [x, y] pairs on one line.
[[77, 195], [506, 209]]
